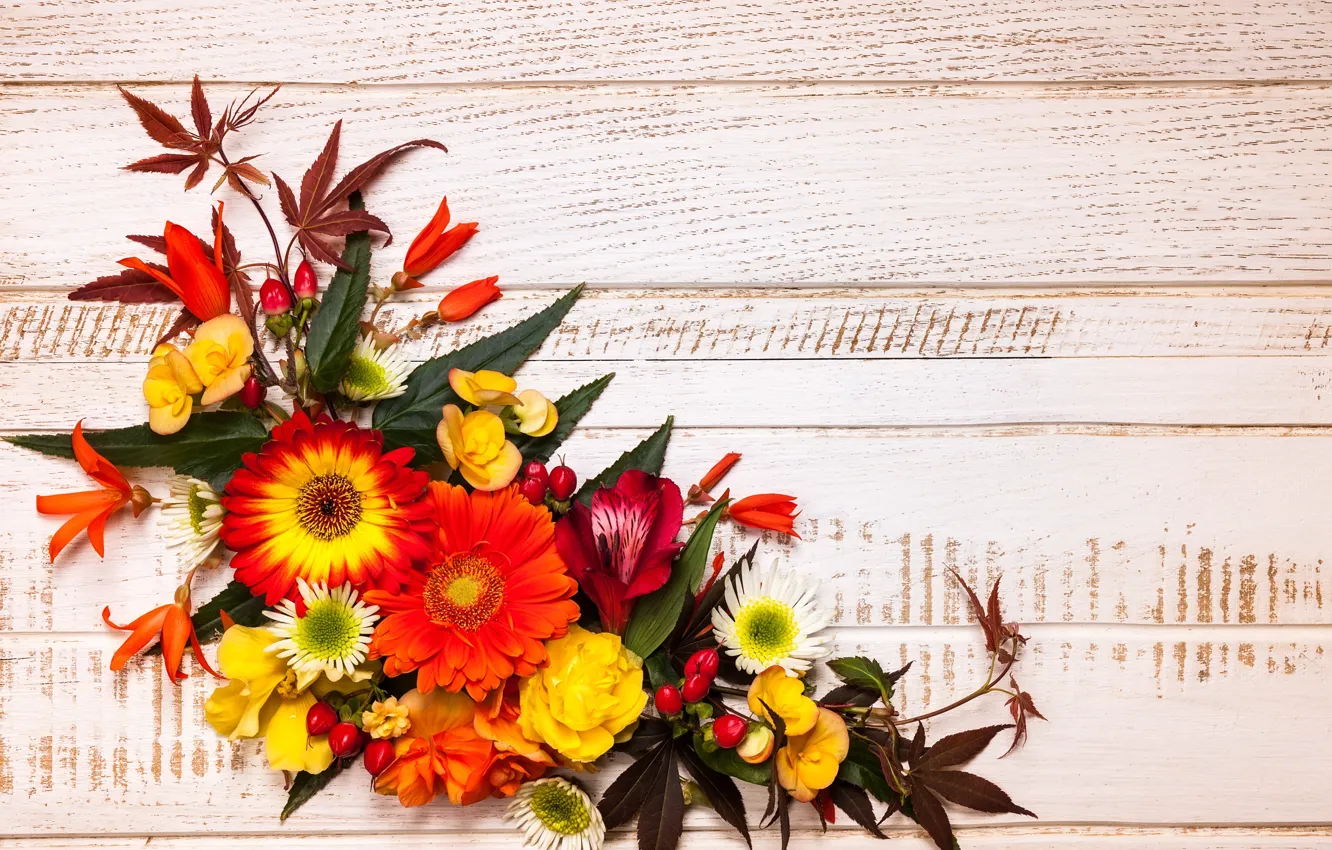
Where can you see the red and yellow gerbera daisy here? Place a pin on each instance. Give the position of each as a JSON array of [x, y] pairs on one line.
[[495, 590], [322, 502]]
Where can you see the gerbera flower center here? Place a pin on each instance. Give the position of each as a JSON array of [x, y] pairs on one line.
[[329, 630], [559, 809], [464, 592], [329, 506], [767, 629]]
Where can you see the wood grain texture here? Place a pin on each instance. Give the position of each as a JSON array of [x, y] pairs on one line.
[[100, 744], [740, 184], [514, 40]]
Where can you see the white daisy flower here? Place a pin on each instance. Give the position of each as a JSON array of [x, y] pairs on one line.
[[768, 618], [555, 814], [191, 518], [373, 374], [332, 638]]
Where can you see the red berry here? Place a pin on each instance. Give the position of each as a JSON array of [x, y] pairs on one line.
[[703, 663], [379, 754], [252, 392], [536, 469], [345, 739], [320, 718], [563, 482], [533, 489], [273, 297], [729, 730], [696, 688], [668, 700], [304, 281]]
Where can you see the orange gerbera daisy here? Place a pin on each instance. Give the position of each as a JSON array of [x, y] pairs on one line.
[[320, 501], [495, 590]]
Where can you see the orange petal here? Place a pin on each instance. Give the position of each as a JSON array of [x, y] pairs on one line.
[[67, 532], [101, 469], [139, 265], [468, 298], [199, 656], [176, 631], [421, 244], [144, 630], [76, 503], [719, 469]]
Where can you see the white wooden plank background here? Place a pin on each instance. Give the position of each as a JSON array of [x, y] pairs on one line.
[[1031, 289]]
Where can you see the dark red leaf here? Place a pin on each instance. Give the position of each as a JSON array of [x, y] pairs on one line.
[[719, 788], [156, 243], [184, 322], [318, 177], [855, 802], [961, 748], [196, 175], [131, 286], [164, 163], [203, 116], [931, 815], [917, 751], [287, 201], [1020, 706], [625, 796], [990, 626], [345, 222], [661, 820], [361, 174], [970, 790], [161, 127], [319, 250]]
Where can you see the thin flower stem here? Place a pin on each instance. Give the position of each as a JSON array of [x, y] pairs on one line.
[[984, 689]]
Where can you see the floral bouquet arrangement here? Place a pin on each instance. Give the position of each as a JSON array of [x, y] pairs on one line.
[[415, 589]]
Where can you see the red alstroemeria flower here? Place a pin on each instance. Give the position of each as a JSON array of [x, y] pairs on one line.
[[433, 245], [91, 507], [621, 547], [201, 283], [468, 298], [771, 511], [172, 622]]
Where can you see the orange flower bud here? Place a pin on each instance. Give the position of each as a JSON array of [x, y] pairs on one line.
[[468, 298], [436, 242], [770, 511]]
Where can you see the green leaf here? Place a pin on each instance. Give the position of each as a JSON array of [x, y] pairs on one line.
[[306, 785], [866, 674], [335, 328], [571, 408], [648, 456], [411, 418], [660, 670], [656, 614], [730, 763], [863, 768], [209, 446], [240, 604]]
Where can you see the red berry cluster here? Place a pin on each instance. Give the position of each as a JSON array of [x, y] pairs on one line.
[[346, 739], [700, 671], [559, 482]]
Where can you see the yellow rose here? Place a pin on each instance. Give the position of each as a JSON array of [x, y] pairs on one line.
[[808, 763], [263, 698], [476, 443], [484, 388], [169, 388], [220, 355], [785, 695], [589, 693], [536, 415]]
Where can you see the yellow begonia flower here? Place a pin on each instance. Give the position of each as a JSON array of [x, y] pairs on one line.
[[808, 763], [785, 695], [220, 355], [476, 444], [386, 719], [590, 692], [484, 388], [537, 416], [756, 745], [168, 388], [261, 698]]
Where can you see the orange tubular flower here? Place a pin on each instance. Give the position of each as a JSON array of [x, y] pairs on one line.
[[200, 283], [495, 591], [172, 623], [433, 245], [699, 492], [766, 510], [91, 507], [468, 298]]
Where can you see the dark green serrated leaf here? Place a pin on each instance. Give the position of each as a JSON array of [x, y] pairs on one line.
[[864, 769], [335, 328], [656, 614], [411, 418], [571, 408], [730, 763], [243, 607], [306, 785], [660, 670], [720, 788], [648, 456], [211, 444], [866, 674]]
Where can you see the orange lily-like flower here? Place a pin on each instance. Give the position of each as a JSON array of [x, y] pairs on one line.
[[172, 622], [468, 298], [200, 283], [698, 493], [433, 245], [770, 511], [91, 507]]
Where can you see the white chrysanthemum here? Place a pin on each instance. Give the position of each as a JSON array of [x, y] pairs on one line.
[[332, 638], [555, 814], [769, 618], [373, 374], [191, 518]]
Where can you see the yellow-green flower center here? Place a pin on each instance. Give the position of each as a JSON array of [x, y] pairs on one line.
[[328, 631], [197, 506], [560, 809], [366, 376], [766, 629], [329, 506]]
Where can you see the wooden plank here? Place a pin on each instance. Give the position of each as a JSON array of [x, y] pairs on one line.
[[89, 743], [774, 324], [1199, 526], [343, 41], [742, 184]]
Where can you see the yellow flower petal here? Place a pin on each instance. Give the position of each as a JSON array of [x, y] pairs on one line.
[[537, 417], [449, 434], [785, 695], [288, 745], [483, 388]]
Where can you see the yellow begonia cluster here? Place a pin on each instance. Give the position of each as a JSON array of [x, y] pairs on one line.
[[477, 443], [216, 364], [817, 741]]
